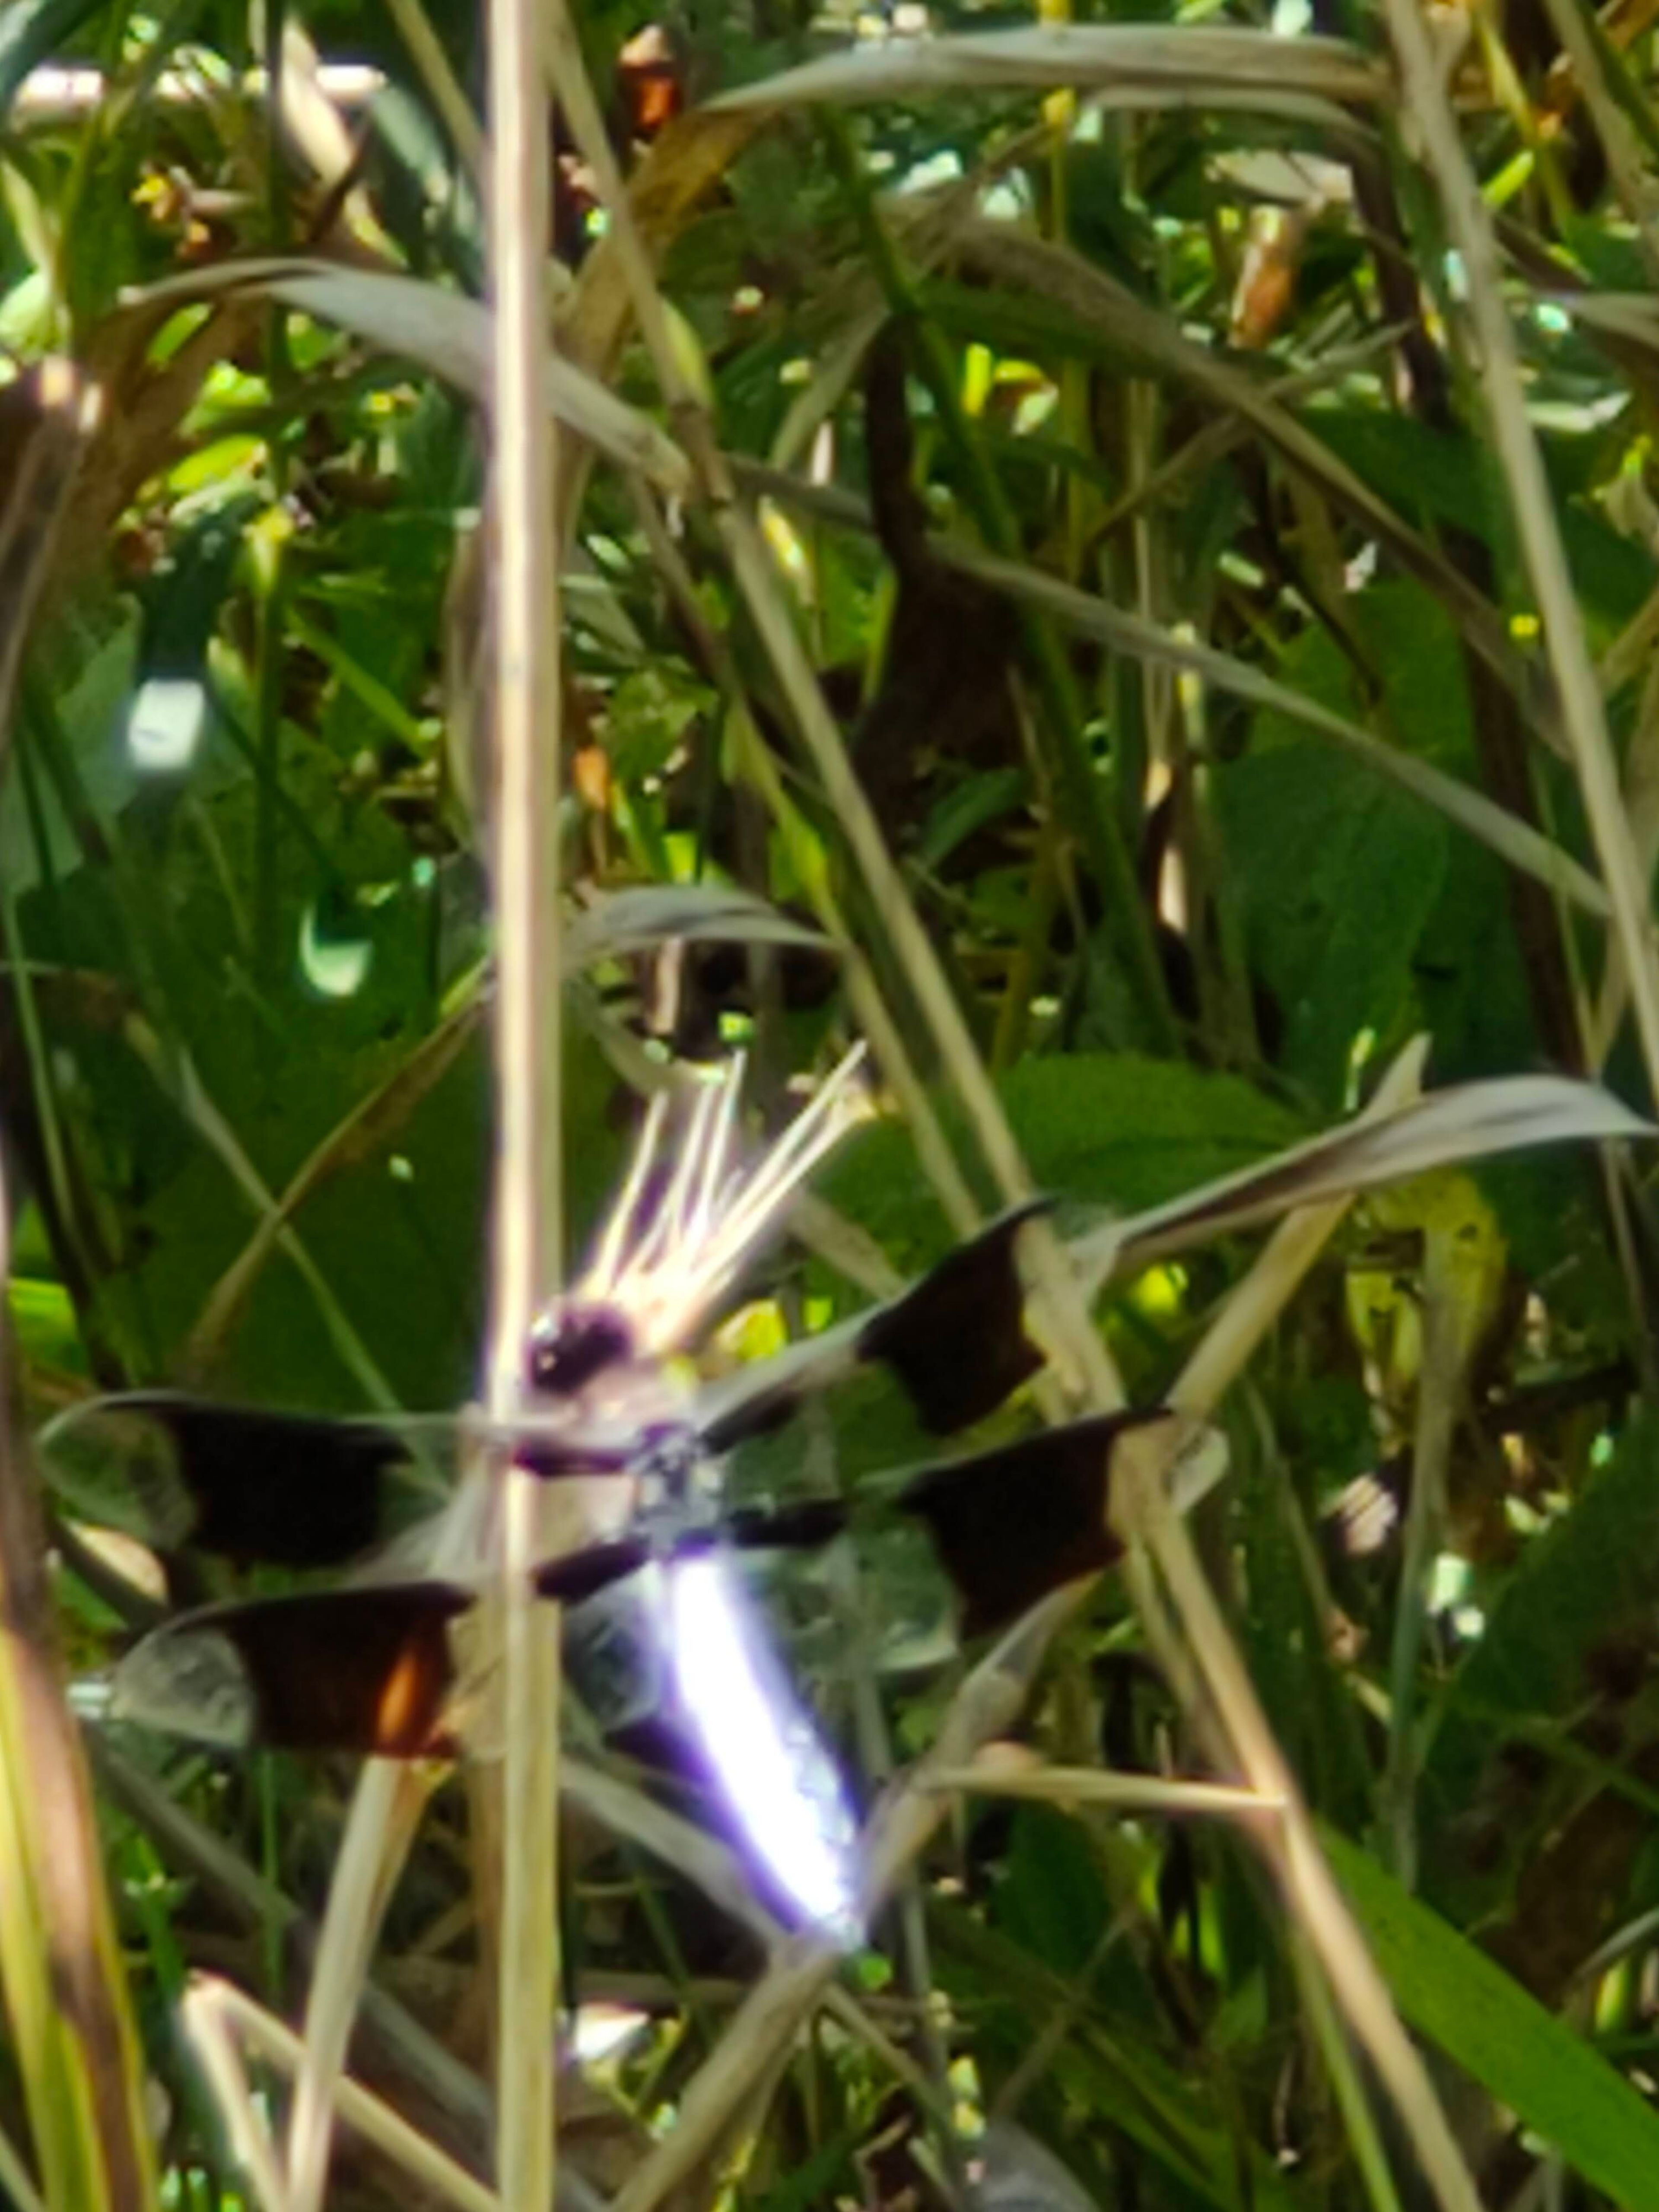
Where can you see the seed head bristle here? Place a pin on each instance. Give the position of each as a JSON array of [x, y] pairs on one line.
[[664, 1272]]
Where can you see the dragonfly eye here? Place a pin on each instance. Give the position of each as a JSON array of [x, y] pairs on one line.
[[571, 1345]]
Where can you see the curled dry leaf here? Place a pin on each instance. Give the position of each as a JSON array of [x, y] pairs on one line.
[[649, 914], [1468, 1122], [446, 333], [1089, 56]]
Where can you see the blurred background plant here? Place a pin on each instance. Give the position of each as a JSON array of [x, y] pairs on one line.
[[1168, 440]]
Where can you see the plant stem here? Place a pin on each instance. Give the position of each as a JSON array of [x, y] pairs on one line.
[[526, 1208]]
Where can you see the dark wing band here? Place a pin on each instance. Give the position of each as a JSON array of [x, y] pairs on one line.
[[259, 1487], [1012, 1524], [363, 1670], [957, 1341]]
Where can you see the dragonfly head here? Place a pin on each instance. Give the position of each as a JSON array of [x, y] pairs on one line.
[[573, 1343], [598, 1404]]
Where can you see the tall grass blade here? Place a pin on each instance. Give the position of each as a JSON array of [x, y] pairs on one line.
[[61, 1968]]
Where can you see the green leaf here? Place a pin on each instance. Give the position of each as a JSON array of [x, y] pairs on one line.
[[1053, 1902], [1116, 1129], [1121, 2074], [1449, 480], [821, 2178], [1337, 879], [1470, 979], [1126, 1131], [1527, 2059], [42, 1316], [1428, 473], [649, 714], [972, 802]]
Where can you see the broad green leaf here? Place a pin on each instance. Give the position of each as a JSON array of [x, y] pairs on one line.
[[1401, 660], [1337, 878], [1470, 979], [1110, 1129], [1527, 2059], [1449, 480], [648, 716], [1052, 1900], [1124, 1131]]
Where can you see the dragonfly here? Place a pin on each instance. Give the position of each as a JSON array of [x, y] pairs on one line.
[[377, 1664]]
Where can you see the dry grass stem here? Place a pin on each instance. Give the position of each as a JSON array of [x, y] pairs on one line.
[[385, 1809], [62, 1970], [443, 86], [1516, 843], [1469, 224], [527, 1201], [1084, 1785], [215, 2012]]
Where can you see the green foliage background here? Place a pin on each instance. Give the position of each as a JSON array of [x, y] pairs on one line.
[[1193, 343]]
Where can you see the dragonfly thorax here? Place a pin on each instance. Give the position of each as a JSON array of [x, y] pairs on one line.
[[675, 1475]]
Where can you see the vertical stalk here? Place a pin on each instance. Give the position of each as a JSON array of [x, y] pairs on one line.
[[527, 1195], [268, 695], [1468, 224], [62, 1978]]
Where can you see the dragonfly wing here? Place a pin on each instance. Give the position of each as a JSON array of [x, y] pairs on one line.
[[368, 1670], [575, 1575], [956, 1341], [781, 1786], [1011, 1524], [760, 1397], [247, 1483], [800, 1526], [616, 1651]]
